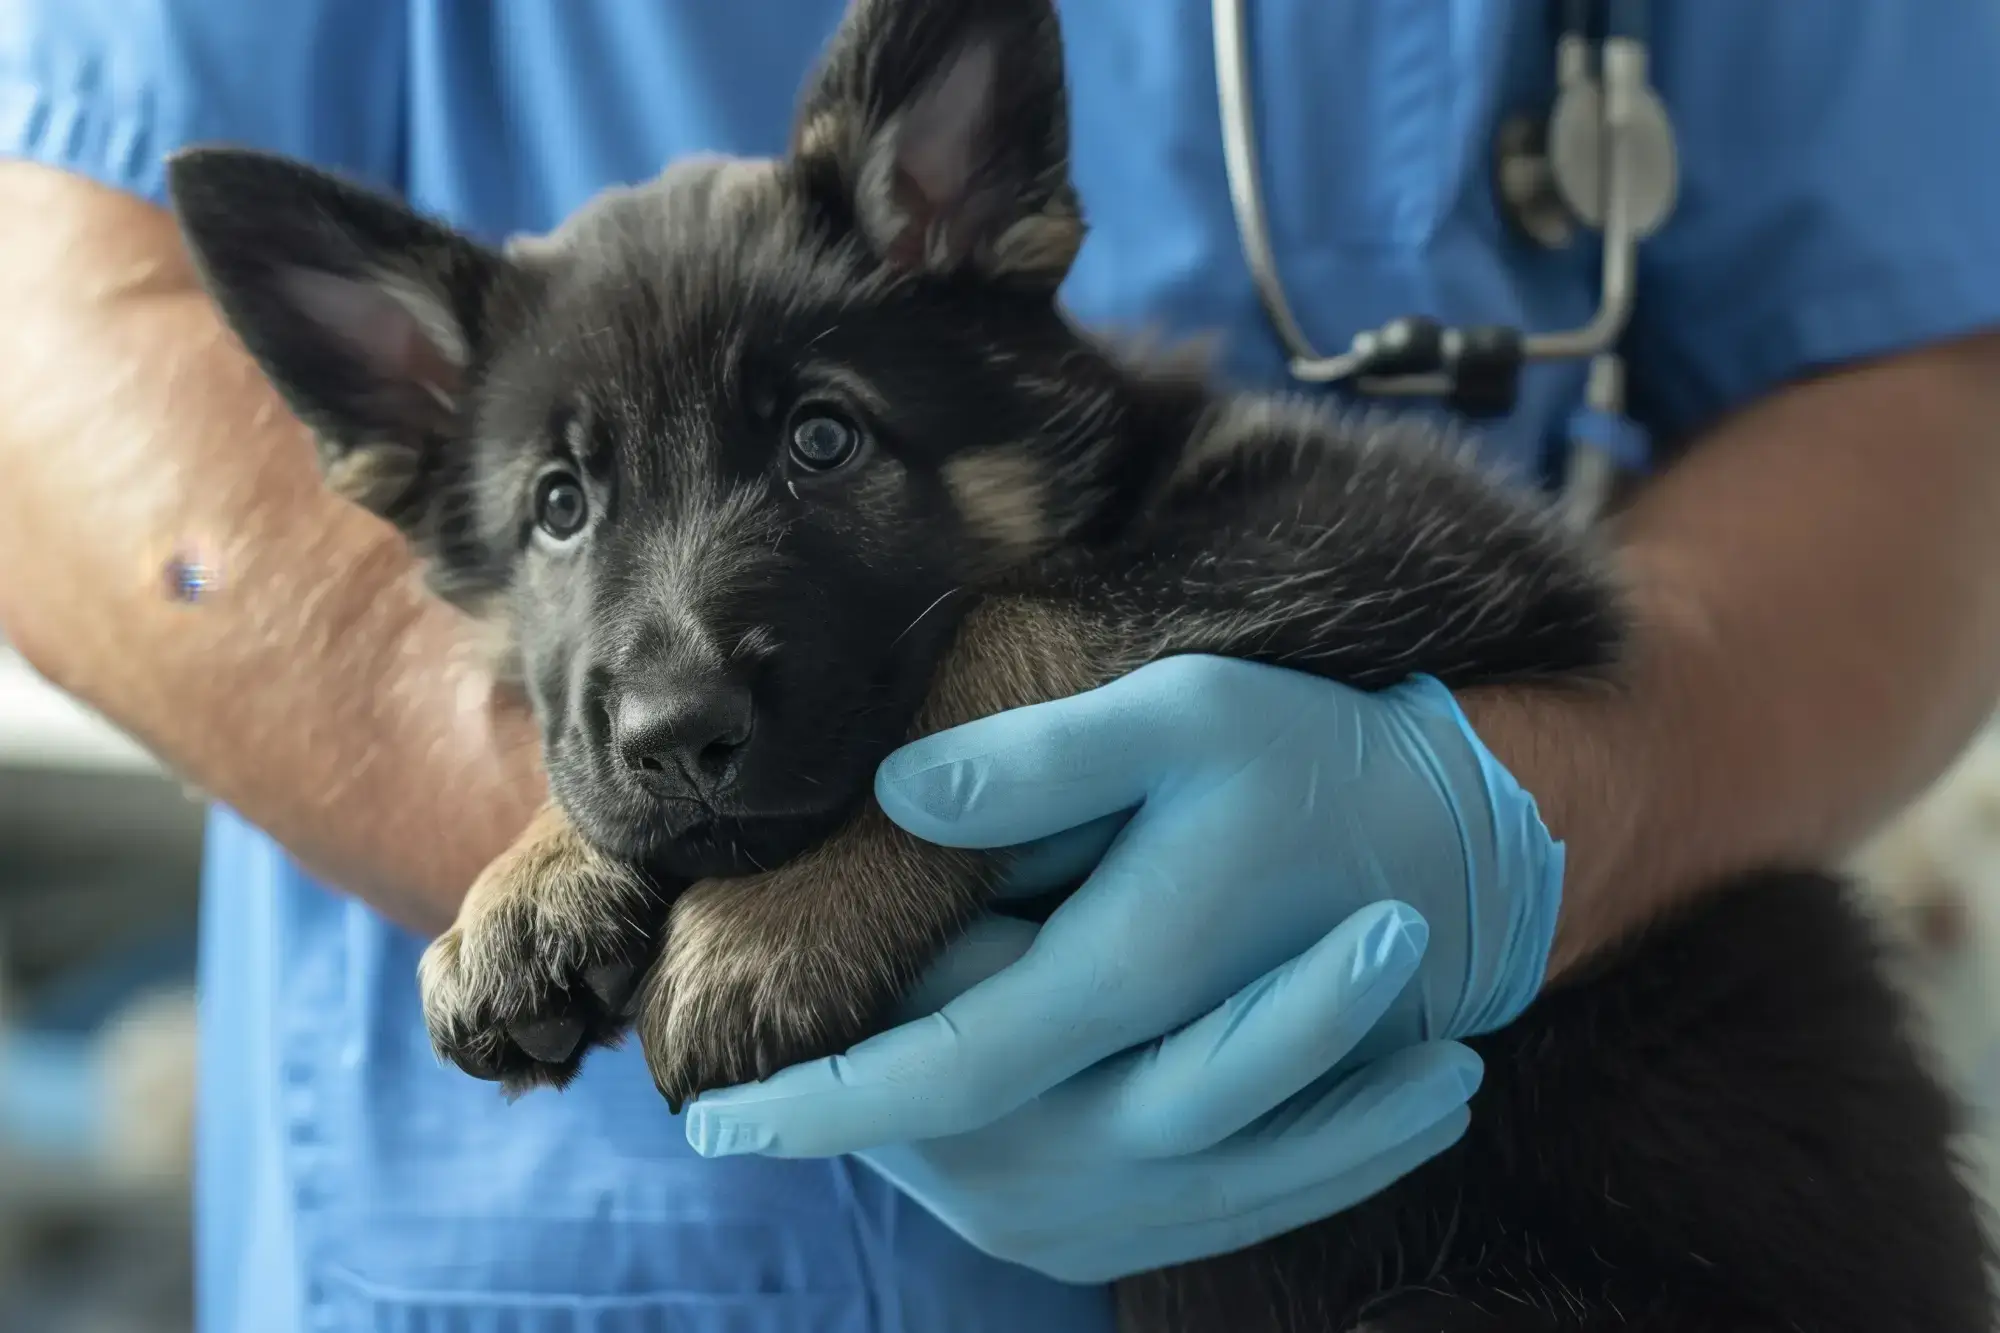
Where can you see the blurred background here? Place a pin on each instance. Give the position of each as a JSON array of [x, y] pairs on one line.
[[99, 861], [99, 866]]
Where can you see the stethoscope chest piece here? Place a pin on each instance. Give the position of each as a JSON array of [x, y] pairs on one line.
[[1577, 153], [1603, 157]]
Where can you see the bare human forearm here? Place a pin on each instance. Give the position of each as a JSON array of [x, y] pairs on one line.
[[1819, 589], [319, 691]]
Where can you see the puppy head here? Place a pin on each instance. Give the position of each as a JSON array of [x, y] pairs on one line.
[[721, 450]]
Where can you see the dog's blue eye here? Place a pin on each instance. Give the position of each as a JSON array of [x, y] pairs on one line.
[[823, 443], [560, 506]]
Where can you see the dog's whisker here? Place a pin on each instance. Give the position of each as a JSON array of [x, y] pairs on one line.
[[949, 592]]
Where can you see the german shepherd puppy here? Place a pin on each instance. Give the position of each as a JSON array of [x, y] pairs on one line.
[[768, 466]]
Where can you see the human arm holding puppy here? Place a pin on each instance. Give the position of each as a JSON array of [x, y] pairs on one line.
[[321, 692], [1820, 634]]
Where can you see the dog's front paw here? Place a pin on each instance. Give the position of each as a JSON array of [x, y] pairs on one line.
[[543, 961], [751, 980]]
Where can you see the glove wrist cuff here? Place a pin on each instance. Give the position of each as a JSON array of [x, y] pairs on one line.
[[1514, 881]]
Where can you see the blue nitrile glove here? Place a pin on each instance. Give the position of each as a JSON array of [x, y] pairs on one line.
[[1252, 906]]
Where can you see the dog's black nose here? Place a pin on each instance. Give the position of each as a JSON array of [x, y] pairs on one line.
[[681, 728]]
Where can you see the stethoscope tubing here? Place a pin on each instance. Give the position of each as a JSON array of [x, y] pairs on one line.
[[1623, 88]]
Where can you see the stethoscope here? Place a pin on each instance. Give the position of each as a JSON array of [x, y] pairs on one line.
[[1603, 158]]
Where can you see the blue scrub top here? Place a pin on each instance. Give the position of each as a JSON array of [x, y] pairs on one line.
[[1841, 198]]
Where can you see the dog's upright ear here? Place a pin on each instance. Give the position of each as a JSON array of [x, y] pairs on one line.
[[939, 130], [365, 316]]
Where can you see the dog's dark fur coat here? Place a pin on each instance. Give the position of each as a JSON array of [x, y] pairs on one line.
[[1726, 1127]]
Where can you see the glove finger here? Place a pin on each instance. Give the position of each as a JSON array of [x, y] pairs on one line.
[[1200, 1085], [1002, 1043], [1337, 1143], [1023, 775], [1263, 1213], [1061, 859], [1268, 1042]]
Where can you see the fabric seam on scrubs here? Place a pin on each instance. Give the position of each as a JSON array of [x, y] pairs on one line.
[[112, 148], [660, 1302]]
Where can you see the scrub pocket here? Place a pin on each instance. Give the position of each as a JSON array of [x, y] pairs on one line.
[[426, 1201]]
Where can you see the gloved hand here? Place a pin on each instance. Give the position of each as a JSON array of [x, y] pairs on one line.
[[1256, 905]]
